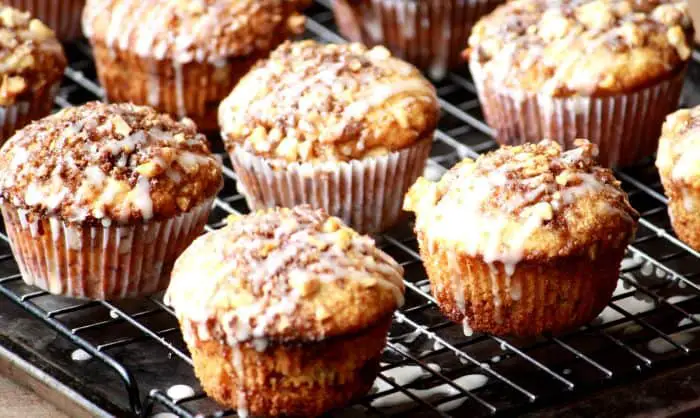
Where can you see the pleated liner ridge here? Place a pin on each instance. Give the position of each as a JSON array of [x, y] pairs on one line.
[[429, 34], [97, 262], [626, 127], [366, 194], [17, 115], [544, 296], [63, 16]]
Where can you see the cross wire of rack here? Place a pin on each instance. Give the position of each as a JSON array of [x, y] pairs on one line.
[[641, 331]]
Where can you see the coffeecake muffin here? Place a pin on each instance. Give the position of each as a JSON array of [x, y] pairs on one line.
[[285, 311], [339, 127], [182, 57], [606, 70], [31, 67], [524, 240], [678, 161], [99, 200], [63, 16], [430, 34]]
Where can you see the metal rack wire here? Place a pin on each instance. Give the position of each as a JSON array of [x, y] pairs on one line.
[[647, 326]]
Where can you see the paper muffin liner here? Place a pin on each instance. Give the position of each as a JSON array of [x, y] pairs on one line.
[[17, 115], [192, 90], [545, 296], [429, 34], [366, 194], [63, 16], [626, 127], [100, 262]]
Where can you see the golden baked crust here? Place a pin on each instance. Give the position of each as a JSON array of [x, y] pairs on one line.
[[679, 147], [108, 163], [291, 380], [526, 202], [539, 296], [677, 161], [588, 47], [312, 102], [283, 275], [185, 30], [31, 58]]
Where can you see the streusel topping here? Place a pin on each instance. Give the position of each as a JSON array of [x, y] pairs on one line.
[[524, 202], [192, 30], [313, 102], [679, 147], [568, 47], [108, 163], [283, 274], [31, 58]]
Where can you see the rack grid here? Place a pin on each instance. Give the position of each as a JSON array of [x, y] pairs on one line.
[[430, 368]]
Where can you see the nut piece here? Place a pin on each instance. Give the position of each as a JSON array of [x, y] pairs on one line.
[[676, 37], [39, 30], [150, 169], [120, 126], [304, 284]]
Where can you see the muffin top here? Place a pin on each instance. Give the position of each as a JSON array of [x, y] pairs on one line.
[[105, 163], [679, 147], [587, 47], [283, 275], [526, 202], [31, 58], [311, 102], [192, 30]]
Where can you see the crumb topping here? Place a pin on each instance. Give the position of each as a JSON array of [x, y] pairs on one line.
[[679, 147], [192, 30], [524, 201], [314, 102], [568, 47], [31, 58], [283, 274], [105, 163]]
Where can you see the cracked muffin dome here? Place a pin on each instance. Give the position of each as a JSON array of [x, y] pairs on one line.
[[283, 275], [525, 239], [312, 102], [31, 58], [525, 202], [104, 163], [186, 30], [677, 161], [588, 47]]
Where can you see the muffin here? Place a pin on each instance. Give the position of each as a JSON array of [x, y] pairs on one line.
[[678, 161], [99, 200], [524, 240], [285, 311], [430, 34], [189, 54], [31, 67], [606, 70], [63, 16], [340, 127]]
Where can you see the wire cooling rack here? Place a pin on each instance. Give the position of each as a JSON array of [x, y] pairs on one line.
[[130, 358]]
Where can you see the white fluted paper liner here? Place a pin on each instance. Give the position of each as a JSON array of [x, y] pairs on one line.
[[366, 194], [100, 262], [63, 16], [429, 34], [17, 115], [626, 127]]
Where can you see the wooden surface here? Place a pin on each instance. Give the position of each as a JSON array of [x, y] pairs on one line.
[[19, 402]]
